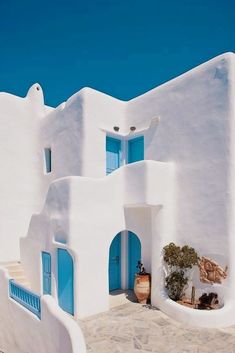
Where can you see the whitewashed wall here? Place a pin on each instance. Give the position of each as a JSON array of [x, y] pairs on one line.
[[23, 332], [76, 133], [194, 133], [89, 225], [20, 182]]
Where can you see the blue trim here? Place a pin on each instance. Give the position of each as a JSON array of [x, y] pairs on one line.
[[25, 297], [136, 149]]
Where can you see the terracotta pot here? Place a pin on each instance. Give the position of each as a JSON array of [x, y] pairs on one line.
[[142, 287]]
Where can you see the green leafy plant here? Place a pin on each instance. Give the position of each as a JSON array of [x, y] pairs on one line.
[[179, 260], [175, 284]]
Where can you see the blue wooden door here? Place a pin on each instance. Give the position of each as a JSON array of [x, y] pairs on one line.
[[134, 255], [65, 281], [113, 154], [46, 272], [136, 149], [115, 263]]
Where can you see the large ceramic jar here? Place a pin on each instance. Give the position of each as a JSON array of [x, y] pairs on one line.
[[142, 287]]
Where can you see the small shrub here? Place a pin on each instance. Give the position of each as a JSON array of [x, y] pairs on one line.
[[175, 284], [178, 261], [184, 257]]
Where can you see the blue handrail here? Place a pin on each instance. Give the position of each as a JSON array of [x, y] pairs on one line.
[[25, 297]]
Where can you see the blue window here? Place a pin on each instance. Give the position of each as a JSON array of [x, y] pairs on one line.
[[136, 149], [113, 154], [47, 157]]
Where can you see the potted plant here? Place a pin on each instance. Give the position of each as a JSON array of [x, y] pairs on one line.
[[142, 286], [179, 261]]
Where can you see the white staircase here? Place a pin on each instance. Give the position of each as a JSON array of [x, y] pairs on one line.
[[16, 272]]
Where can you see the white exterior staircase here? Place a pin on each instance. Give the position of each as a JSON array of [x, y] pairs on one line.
[[16, 272]]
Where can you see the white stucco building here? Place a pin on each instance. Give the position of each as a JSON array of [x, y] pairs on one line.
[[91, 186]]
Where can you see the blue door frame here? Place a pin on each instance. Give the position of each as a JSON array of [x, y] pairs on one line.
[[113, 154], [134, 255], [65, 281], [115, 263], [136, 149], [46, 272]]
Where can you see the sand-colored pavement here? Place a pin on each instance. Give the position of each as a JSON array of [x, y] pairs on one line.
[[135, 328]]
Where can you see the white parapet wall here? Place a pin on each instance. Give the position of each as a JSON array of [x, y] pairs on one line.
[[22, 332]]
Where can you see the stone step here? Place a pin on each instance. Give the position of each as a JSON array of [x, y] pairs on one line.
[[19, 278], [10, 264], [16, 272], [25, 284], [13, 266]]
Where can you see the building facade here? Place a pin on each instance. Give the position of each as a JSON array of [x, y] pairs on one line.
[[96, 184]]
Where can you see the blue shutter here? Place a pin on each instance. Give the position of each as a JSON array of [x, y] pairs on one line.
[[113, 154], [136, 149], [46, 272]]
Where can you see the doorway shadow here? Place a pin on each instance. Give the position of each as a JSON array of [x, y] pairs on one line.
[[121, 296]]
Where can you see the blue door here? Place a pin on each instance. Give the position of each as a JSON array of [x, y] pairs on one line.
[[113, 154], [115, 263], [65, 281], [136, 149], [134, 255], [46, 272]]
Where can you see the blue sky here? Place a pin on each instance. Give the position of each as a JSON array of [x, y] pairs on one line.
[[122, 48]]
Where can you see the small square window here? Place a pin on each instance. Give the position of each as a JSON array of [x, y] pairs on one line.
[[47, 157]]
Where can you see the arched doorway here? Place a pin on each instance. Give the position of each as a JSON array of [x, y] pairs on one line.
[[124, 254], [65, 281]]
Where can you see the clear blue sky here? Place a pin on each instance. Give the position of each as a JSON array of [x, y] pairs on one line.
[[123, 48]]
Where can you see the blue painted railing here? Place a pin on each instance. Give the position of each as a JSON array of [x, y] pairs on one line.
[[25, 297]]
